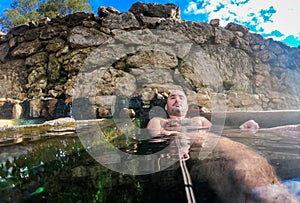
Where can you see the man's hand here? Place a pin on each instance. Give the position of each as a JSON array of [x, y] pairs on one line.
[[172, 125], [181, 125]]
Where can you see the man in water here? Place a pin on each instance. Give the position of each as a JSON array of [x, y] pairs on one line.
[[176, 108], [234, 171]]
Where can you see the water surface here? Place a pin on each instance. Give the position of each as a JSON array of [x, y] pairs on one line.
[[52, 165]]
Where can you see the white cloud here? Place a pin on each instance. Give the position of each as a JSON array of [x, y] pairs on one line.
[[192, 9], [284, 20]]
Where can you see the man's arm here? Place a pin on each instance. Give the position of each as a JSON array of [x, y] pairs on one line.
[[203, 122], [252, 125]]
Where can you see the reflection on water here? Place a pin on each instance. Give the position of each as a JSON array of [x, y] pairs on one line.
[[42, 165]]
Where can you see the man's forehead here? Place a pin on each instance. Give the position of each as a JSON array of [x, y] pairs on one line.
[[177, 93]]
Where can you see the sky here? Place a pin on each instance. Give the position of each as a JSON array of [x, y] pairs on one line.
[[277, 19]]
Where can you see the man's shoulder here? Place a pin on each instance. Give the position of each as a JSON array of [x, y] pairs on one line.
[[156, 123]]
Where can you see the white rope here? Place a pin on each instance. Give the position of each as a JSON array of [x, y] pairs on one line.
[[186, 175]]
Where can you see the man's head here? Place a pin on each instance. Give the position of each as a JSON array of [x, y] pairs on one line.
[[177, 106]]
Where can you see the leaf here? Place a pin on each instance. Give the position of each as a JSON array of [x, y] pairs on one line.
[[38, 191]]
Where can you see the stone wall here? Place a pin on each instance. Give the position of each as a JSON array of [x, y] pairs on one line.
[[146, 49]]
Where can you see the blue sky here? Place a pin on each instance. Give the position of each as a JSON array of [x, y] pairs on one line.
[[278, 19]]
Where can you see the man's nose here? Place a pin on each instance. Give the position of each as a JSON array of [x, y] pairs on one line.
[[177, 99]]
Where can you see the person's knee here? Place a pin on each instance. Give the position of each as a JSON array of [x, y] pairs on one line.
[[251, 124]]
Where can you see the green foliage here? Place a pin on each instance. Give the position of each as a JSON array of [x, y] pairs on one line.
[[110, 133], [104, 189], [52, 8], [24, 11]]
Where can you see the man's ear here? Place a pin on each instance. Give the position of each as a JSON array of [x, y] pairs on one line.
[[166, 108]]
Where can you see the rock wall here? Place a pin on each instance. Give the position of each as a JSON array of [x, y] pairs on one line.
[[146, 49]]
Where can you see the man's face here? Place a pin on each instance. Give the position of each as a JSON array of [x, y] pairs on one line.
[[177, 104]]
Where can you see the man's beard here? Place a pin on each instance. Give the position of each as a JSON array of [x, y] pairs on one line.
[[176, 112]]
